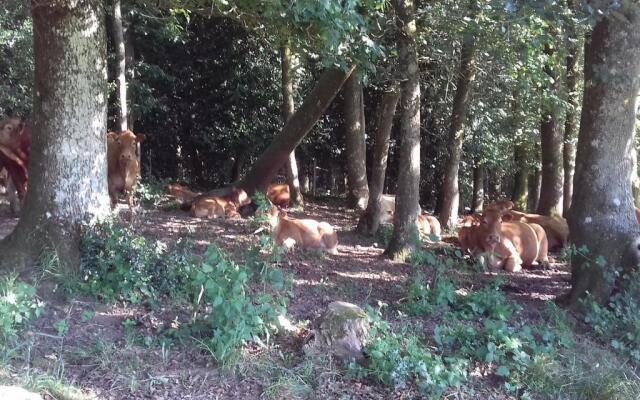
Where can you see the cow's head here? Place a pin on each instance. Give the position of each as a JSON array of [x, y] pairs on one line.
[[10, 130], [490, 223], [275, 214], [239, 197], [126, 143]]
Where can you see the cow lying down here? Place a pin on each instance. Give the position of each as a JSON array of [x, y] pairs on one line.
[[498, 244], [428, 225], [220, 206], [305, 233]]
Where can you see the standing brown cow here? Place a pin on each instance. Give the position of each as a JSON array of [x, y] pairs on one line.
[[122, 164], [15, 146]]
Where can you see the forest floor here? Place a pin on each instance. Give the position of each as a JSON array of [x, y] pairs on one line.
[[114, 354]]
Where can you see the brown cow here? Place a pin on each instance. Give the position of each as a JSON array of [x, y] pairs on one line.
[[306, 233], [122, 164], [556, 228], [220, 206], [15, 147], [182, 193], [508, 245], [429, 225], [278, 194]]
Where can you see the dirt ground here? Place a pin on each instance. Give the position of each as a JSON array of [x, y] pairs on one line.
[[99, 357]]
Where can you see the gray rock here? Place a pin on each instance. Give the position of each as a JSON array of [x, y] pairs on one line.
[[343, 331]]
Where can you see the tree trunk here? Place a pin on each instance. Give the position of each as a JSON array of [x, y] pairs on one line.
[[535, 181], [130, 61], [68, 170], [450, 191], [288, 108], [550, 202], [477, 203], [357, 189], [569, 148], [520, 183], [121, 66], [238, 164], [298, 126], [602, 216], [370, 220], [407, 207], [314, 176], [635, 179]]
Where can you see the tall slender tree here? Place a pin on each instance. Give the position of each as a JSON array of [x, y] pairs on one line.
[[450, 191], [357, 186], [551, 186], [121, 65], [602, 217], [407, 207], [287, 111], [370, 220], [68, 172]]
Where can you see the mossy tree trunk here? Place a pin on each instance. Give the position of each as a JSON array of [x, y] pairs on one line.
[[602, 216], [370, 220], [356, 146], [407, 207], [68, 170], [569, 147], [288, 108]]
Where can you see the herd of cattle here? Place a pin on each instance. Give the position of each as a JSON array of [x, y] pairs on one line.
[[500, 237]]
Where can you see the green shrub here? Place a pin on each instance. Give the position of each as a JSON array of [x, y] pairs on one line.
[[118, 265], [149, 193], [230, 312], [19, 305], [401, 359]]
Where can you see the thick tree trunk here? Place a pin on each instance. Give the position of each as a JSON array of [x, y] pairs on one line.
[[535, 181], [550, 202], [450, 191], [298, 126], [602, 216], [477, 202], [67, 170], [407, 207], [635, 179], [520, 192], [569, 148], [370, 220], [288, 108], [121, 66], [357, 189], [130, 61]]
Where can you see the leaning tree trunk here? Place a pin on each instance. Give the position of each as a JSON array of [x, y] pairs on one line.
[[121, 66], [602, 216], [357, 187], [450, 191], [569, 148], [68, 170], [407, 207], [551, 188], [295, 194], [520, 192], [370, 220], [477, 201], [298, 126]]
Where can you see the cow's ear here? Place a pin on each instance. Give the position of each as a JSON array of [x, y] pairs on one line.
[[112, 135], [140, 137]]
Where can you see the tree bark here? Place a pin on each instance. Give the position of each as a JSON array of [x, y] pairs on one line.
[[288, 108], [407, 207], [298, 126], [450, 191], [370, 220], [356, 146], [569, 148], [477, 203], [535, 181], [68, 170], [635, 179], [602, 216], [551, 188], [520, 192], [121, 66]]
